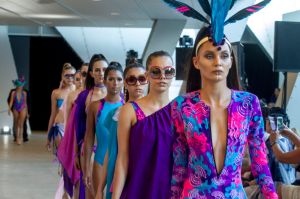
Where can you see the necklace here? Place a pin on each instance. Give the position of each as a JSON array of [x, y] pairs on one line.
[[99, 85]]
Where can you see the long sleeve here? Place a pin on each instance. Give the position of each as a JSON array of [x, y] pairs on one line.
[[257, 149], [180, 153]]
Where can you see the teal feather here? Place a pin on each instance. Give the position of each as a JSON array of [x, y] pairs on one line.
[[220, 10]]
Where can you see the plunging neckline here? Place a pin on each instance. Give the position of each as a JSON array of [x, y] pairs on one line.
[[210, 134]]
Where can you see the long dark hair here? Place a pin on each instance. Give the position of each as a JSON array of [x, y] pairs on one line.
[[194, 76], [89, 81], [127, 69]]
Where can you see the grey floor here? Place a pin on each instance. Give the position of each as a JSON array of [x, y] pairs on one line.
[[27, 171]]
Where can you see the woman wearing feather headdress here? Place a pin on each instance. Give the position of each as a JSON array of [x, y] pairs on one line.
[[213, 125], [18, 106]]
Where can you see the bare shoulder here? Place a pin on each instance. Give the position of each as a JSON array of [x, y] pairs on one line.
[[127, 113], [93, 106], [55, 92], [127, 108]]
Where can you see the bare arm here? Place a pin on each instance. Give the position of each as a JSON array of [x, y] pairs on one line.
[[89, 139], [11, 102], [25, 99], [292, 157], [102, 182], [126, 118], [288, 133], [70, 100], [53, 109]]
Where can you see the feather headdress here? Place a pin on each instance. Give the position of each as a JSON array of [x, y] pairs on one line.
[[217, 10], [19, 82]]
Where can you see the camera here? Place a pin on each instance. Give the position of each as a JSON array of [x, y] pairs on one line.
[[276, 123]]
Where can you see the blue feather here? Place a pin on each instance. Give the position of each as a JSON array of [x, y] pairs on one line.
[[220, 10]]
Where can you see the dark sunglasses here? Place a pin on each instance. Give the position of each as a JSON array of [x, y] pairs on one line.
[[83, 74], [69, 76], [156, 72], [132, 80]]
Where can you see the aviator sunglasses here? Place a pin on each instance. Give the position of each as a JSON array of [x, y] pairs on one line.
[[69, 76], [156, 72], [132, 80]]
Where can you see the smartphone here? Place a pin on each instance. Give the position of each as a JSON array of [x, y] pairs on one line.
[[276, 123], [280, 125], [272, 123]]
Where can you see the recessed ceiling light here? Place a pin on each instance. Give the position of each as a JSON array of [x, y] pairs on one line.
[[114, 13], [128, 24]]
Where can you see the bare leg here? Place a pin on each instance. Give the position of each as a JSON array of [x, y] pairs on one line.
[[96, 175], [76, 190], [20, 123], [16, 119]]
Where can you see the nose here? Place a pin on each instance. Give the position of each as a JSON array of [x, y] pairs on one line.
[[218, 61], [162, 75], [101, 72]]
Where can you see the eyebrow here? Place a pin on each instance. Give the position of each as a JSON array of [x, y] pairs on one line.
[[210, 51]]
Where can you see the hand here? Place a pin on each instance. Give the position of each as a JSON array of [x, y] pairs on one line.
[[89, 184], [48, 146], [77, 163], [87, 181], [286, 131], [99, 195], [274, 137]]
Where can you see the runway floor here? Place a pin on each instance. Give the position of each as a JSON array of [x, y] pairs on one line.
[[27, 171]]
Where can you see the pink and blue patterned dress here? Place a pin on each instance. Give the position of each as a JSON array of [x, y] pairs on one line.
[[194, 170]]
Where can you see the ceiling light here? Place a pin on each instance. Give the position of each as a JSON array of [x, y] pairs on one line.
[[50, 16], [96, 0], [114, 13]]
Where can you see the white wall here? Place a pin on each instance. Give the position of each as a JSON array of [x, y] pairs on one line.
[[112, 42], [7, 74], [262, 23], [293, 107]]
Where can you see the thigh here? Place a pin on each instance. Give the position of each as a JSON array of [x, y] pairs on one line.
[[16, 116], [96, 175], [22, 116]]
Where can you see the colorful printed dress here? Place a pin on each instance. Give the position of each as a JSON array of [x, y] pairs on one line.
[[194, 171]]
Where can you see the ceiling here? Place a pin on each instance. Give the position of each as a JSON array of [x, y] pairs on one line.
[[87, 13]]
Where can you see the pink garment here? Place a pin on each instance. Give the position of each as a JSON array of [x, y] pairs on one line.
[[66, 154]]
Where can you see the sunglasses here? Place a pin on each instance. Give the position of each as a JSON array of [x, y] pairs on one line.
[[83, 74], [132, 80], [156, 72], [69, 76]]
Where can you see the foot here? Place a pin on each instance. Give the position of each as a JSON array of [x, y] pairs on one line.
[[25, 140]]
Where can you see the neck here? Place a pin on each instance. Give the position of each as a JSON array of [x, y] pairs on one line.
[[113, 98], [159, 99], [215, 93], [97, 89], [133, 98]]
